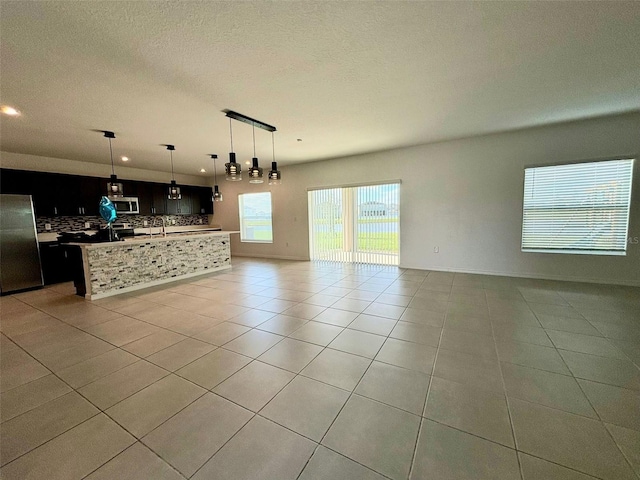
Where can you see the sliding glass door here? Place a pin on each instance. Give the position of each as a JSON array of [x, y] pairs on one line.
[[355, 224]]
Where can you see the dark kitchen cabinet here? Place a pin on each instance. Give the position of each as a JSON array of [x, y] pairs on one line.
[[66, 192], [61, 194], [182, 206], [55, 264], [39, 185], [72, 194], [44, 195], [196, 202], [57, 194], [158, 198], [130, 188], [151, 197], [201, 200], [90, 191], [17, 182], [145, 198]]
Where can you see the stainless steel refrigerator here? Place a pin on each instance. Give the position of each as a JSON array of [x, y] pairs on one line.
[[19, 253]]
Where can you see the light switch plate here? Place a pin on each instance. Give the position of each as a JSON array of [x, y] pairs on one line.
[[87, 225], [145, 224], [47, 226]]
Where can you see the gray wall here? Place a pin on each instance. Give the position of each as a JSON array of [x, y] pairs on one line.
[[464, 196]]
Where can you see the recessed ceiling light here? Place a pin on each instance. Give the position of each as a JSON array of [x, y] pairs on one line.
[[7, 110], [202, 170], [247, 162], [125, 159]]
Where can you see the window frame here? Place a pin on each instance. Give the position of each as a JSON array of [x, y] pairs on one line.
[[241, 217], [590, 249]]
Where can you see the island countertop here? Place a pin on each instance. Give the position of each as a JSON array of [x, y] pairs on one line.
[[158, 237]]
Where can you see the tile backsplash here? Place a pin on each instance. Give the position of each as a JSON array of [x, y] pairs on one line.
[[77, 222]]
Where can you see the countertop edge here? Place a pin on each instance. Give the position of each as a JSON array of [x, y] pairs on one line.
[[171, 238]]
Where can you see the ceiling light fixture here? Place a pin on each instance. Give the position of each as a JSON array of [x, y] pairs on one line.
[[202, 170], [275, 177], [7, 110], [255, 172], [114, 188], [124, 159], [233, 169], [174, 189], [217, 196]]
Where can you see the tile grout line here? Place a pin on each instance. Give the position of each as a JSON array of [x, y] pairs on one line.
[[506, 399], [426, 400]]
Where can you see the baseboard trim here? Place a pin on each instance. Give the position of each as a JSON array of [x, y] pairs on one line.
[[275, 257], [535, 276]]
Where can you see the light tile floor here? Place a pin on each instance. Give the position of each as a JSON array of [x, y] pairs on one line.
[[285, 370]]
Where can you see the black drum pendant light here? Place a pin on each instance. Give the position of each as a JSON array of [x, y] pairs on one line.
[[174, 189], [233, 169], [114, 188], [255, 172], [217, 196], [275, 177]]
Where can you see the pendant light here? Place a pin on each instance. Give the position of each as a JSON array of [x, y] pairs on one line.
[[217, 196], [114, 188], [174, 189], [233, 169], [255, 172], [275, 177]]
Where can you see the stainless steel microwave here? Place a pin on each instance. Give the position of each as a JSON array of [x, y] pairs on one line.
[[126, 205]]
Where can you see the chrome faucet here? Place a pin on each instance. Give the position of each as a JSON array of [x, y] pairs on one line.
[[153, 224]]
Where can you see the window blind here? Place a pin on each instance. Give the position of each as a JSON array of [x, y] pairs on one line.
[[577, 208], [359, 224]]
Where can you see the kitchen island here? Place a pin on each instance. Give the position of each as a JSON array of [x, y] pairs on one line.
[[111, 268]]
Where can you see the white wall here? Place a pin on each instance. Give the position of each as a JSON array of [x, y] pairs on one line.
[[20, 161], [464, 196]]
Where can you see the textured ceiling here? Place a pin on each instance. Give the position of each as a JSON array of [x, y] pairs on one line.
[[345, 77]]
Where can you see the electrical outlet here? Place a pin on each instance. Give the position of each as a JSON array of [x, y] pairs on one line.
[[47, 226], [145, 223], [87, 225], [173, 221], [200, 221], [436, 249]]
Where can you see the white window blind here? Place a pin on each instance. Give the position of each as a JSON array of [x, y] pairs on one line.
[[577, 208], [358, 224], [255, 217]]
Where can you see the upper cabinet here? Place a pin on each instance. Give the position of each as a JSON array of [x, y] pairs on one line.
[[152, 198], [55, 194], [59, 194], [205, 198], [182, 206]]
